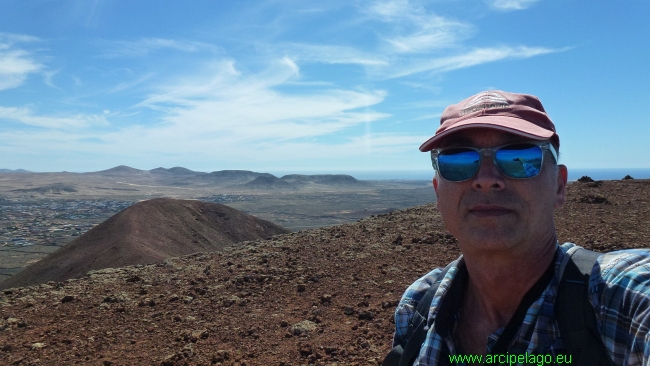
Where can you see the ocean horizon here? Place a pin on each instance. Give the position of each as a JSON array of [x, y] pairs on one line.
[[574, 174]]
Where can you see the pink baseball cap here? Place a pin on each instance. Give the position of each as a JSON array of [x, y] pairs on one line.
[[519, 114]]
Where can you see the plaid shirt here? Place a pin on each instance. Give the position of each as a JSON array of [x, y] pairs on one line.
[[619, 288]]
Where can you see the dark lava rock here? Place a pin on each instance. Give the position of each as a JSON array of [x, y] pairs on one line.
[[67, 298], [590, 198]]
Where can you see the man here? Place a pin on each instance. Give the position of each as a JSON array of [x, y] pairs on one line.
[[497, 185]]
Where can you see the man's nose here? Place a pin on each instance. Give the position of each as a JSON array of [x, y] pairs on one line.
[[488, 176]]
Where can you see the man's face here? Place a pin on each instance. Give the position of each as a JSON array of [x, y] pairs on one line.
[[491, 212]]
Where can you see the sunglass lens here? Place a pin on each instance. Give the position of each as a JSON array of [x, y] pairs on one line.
[[458, 164], [520, 161]]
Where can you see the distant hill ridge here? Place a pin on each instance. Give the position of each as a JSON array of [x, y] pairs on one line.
[[121, 169], [334, 179], [247, 178], [50, 188], [180, 171], [238, 174], [295, 181], [145, 233], [266, 182], [66, 184], [226, 174], [14, 171], [175, 170]]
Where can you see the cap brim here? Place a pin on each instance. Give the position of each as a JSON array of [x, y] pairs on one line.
[[512, 125]]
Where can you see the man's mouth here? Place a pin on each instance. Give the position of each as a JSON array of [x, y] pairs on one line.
[[489, 211]]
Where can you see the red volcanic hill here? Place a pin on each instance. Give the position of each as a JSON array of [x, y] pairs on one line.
[[145, 233]]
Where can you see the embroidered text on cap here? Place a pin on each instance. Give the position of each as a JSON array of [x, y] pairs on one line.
[[485, 100]]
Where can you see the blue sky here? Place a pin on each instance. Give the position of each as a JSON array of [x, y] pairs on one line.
[[309, 86]]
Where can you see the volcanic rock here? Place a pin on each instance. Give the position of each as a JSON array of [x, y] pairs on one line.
[[591, 198]]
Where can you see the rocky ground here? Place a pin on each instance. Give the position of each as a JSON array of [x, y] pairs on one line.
[[322, 296]]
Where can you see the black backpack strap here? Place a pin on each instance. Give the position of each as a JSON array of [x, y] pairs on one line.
[[575, 315], [416, 334]]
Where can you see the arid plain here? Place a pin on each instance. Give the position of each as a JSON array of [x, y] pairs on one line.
[[40, 212]]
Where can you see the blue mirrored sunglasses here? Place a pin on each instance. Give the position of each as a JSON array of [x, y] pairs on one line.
[[519, 161]]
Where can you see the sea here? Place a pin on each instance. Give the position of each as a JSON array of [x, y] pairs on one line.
[[574, 174]]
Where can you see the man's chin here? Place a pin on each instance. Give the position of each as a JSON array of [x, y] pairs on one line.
[[488, 240]]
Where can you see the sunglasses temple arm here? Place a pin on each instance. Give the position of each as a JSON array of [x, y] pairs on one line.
[[552, 148]]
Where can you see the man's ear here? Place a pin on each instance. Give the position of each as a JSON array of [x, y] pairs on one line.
[[435, 187], [562, 177]]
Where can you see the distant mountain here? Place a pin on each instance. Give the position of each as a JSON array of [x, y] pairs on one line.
[[299, 181], [55, 188], [326, 179], [233, 178], [175, 171], [268, 183], [144, 233], [239, 175], [119, 170], [14, 171], [221, 175]]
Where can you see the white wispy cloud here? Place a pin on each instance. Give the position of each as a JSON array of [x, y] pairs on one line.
[[387, 142], [356, 152], [414, 38], [144, 46], [11, 38], [217, 114], [415, 29], [15, 63], [132, 83], [47, 78], [433, 116], [328, 54], [26, 116], [511, 4], [219, 111], [471, 58], [247, 108]]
